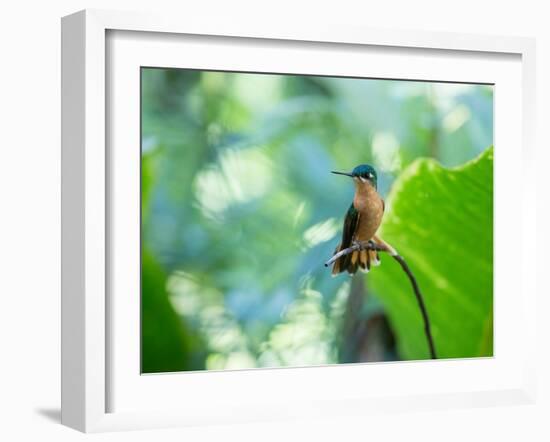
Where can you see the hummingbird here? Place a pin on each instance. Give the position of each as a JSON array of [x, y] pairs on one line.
[[362, 220]]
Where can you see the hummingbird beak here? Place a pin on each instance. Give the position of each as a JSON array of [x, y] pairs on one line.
[[342, 173]]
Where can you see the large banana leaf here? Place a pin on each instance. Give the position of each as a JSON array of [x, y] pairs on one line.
[[441, 221]]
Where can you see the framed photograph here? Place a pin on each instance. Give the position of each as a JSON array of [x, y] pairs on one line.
[[264, 223]]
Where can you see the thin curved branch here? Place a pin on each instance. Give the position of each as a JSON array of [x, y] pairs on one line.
[[383, 248], [353, 248], [421, 304]]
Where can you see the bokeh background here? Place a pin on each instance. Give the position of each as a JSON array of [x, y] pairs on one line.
[[240, 212]]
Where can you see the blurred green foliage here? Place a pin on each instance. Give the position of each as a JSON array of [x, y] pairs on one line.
[[167, 343], [239, 211]]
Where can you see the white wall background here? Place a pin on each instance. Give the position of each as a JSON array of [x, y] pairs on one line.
[[30, 218]]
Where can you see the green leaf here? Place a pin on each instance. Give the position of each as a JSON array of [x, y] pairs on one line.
[[441, 221]]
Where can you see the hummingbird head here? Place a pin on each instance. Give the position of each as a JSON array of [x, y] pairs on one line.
[[364, 173]]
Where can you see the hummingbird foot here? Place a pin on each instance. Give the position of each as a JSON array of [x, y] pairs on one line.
[[368, 250], [364, 245]]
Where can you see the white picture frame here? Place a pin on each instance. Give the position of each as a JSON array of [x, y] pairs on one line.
[[87, 320]]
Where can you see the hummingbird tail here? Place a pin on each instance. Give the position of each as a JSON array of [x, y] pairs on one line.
[[358, 259], [337, 267], [367, 259]]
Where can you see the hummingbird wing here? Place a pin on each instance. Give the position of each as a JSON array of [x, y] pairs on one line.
[[350, 225]]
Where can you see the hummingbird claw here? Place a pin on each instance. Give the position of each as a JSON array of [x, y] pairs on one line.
[[362, 245]]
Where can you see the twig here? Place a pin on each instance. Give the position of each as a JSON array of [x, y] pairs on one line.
[[382, 248], [353, 248], [421, 304]]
